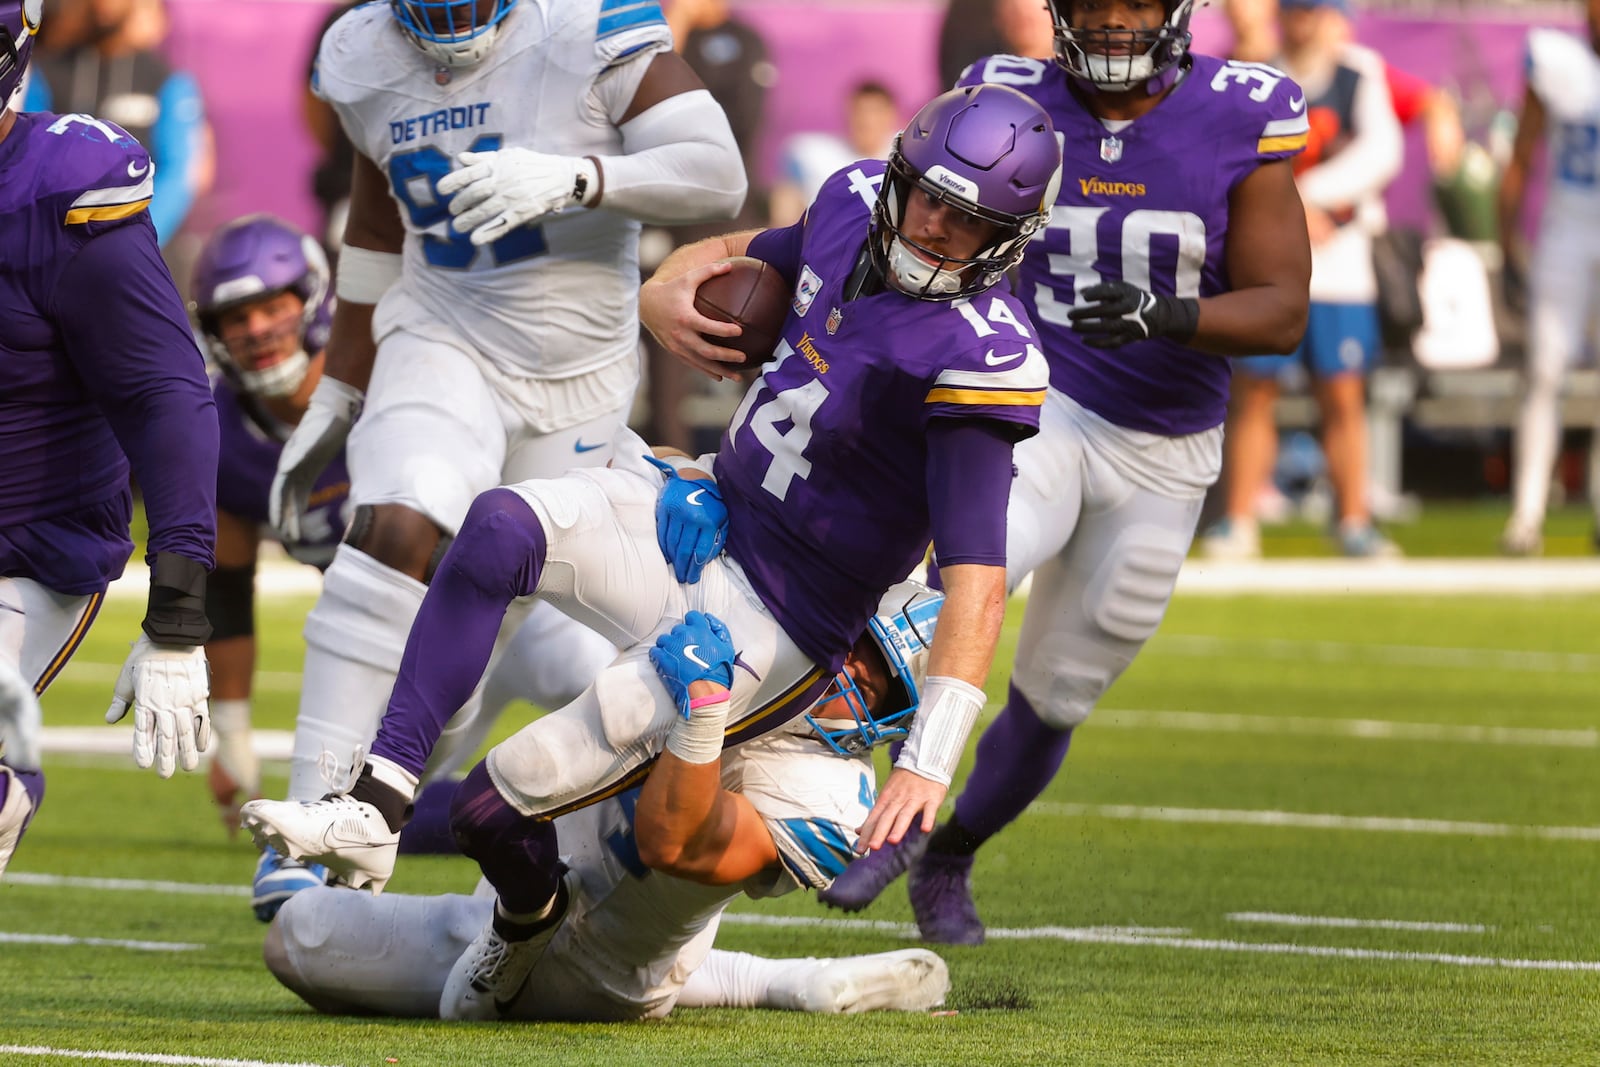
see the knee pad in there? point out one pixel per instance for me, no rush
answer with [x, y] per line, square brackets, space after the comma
[1129, 593]
[504, 543]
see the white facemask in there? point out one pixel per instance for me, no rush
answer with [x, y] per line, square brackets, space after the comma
[913, 274]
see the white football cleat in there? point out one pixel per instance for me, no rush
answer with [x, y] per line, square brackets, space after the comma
[911, 979]
[343, 834]
[17, 809]
[485, 981]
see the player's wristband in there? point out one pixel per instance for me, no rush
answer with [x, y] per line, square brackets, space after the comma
[176, 612]
[939, 733]
[698, 739]
[363, 275]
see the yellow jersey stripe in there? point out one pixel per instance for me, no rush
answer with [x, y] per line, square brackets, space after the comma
[1291, 143]
[79, 215]
[1032, 398]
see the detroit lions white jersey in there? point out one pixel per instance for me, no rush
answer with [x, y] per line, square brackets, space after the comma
[1564, 72]
[551, 299]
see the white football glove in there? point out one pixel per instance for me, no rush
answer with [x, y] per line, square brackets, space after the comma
[332, 410]
[495, 192]
[167, 686]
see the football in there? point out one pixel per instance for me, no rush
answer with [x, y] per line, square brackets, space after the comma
[754, 295]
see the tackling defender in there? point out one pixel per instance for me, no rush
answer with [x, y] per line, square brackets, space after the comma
[761, 819]
[888, 414]
[99, 375]
[1153, 270]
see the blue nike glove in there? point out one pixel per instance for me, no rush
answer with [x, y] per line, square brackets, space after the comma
[697, 649]
[691, 522]
[1114, 314]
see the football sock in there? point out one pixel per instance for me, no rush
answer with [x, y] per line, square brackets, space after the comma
[354, 636]
[1017, 757]
[1537, 436]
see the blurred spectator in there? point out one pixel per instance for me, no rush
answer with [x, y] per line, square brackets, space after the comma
[1354, 151]
[732, 59]
[974, 28]
[330, 181]
[103, 58]
[1560, 106]
[871, 120]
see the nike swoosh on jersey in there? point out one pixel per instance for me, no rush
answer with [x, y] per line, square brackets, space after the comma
[689, 654]
[1298, 104]
[694, 497]
[990, 358]
[581, 447]
[136, 171]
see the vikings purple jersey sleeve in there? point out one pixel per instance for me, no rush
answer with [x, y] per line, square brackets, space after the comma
[97, 363]
[246, 464]
[825, 463]
[1148, 205]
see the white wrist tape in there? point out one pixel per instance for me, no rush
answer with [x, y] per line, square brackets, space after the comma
[364, 275]
[939, 732]
[698, 739]
[230, 721]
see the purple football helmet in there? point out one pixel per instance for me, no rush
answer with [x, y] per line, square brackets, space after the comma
[986, 149]
[19, 24]
[253, 258]
[1119, 60]
[454, 33]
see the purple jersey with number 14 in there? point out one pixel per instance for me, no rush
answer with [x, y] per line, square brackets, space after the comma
[824, 465]
[1147, 205]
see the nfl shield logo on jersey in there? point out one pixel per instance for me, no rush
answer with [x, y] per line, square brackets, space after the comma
[835, 317]
[1111, 149]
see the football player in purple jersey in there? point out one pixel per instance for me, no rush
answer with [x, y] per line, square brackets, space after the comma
[901, 382]
[1178, 239]
[99, 375]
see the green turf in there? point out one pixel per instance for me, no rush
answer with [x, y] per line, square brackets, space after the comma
[1299, 664]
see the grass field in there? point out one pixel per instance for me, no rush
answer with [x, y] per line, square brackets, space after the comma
[1299, 831]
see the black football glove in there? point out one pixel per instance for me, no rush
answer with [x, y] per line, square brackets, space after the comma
[1116, 313]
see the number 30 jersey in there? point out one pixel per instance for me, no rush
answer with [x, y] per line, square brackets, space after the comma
[1564, 72]
[554, 298]
[1148, 205]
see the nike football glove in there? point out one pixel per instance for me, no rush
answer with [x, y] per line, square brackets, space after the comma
[493, 193]
[1114, 314]
[691, 522]
[167, 686]
[697, 649]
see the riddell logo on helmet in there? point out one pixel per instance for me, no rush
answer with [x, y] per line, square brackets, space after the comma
[962, 187]
[1101, 187]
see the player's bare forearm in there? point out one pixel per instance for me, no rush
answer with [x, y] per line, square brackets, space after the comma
[373, 224]
[1268, 256]
[233, 662]
[1514, 181]
[969, 623]
[351, 350]
[688, 826]
[666, 303]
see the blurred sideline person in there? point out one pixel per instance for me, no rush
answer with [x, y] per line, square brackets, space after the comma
[650, 870]
[871, 120]
[1354, 151]
[1177, 240]
[99, 377]
[106, 61]
[1560, 290]
[887, 417]
[486, 329]
[263, 303]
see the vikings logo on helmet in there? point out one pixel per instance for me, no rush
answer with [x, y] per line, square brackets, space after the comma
[986, 149]
[251, 259]
[902, 630]
[454, 33]
[19, 24]
[1119, 60]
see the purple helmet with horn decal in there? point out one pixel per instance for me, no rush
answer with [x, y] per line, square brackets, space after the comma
[19, 24]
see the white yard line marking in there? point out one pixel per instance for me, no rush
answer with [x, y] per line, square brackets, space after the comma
[93, 673]
[124, 885]
[1100, 935]
[1497, 659]
[1274, 918]
[1358, 729]
[145, 1057]
[1313, 821]
[101, 942]
[114, 741]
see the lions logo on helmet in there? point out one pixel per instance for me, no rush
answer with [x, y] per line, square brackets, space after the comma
[986, 149]
[902, 631]
[454, 33]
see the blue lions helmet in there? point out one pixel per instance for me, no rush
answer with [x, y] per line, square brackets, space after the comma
[454, 33]
[19, 24]
[1119, 60]
[902, 631]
